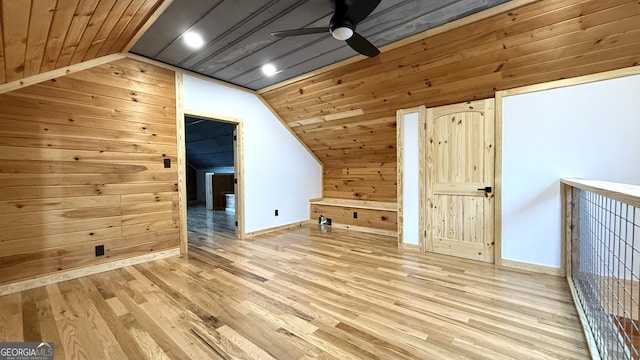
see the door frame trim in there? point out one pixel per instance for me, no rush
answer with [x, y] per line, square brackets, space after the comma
[497, 181]
[238, 167]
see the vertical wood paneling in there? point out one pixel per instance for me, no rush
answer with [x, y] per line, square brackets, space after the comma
[15, 25]
[99, 15]
[37, 36]
[136, 21]
[78, 25]
[106, 27]
[81, 164]
[539, 42]
[41, 17]
[120, 26]
[62, 18]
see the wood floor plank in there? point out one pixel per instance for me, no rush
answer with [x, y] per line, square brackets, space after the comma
[64, 317]
[11, 317]
[145, 322]
[48, 327]
[31, 328]
[300, 293]
[119, 340]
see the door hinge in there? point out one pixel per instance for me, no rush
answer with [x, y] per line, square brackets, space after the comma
[425, 233]
[235, 137]
[236, 224]
[235, 181]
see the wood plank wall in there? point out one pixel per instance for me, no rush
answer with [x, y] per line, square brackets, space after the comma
[366, 218]
[81, 164]
[41, 35]
[346, 116]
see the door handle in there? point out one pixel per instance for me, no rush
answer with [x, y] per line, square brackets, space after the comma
[486, 189]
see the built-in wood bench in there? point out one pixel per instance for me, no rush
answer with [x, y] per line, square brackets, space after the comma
[360, 215]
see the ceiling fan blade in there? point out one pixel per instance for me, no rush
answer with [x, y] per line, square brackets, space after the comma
[362, 45]
[358, 10]
[305, 31]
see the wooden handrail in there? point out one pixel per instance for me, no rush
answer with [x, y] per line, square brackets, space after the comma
[625, 193]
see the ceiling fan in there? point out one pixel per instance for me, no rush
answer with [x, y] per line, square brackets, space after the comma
[347, 14]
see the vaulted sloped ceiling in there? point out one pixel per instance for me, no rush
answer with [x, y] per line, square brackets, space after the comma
[346, 115]
[41, 35]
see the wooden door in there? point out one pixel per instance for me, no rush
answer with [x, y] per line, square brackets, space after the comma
[460, 166]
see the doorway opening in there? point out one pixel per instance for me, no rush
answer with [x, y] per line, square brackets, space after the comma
[213, 167]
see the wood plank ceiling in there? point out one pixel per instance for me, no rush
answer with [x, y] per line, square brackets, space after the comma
[37, 36]
[346, 116]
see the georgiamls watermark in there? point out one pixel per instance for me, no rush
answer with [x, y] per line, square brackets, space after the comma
[26, 351]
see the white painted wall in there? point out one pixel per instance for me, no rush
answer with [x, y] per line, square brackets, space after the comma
[587, 131]
[279, 173]
[411, 178]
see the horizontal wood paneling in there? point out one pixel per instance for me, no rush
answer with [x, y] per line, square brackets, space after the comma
[346, 115]
[375, 182]
[80, 168]
[368, 218]
[37, 36]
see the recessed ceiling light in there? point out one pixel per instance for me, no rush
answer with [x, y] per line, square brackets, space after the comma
[193, 40]
[269, 69]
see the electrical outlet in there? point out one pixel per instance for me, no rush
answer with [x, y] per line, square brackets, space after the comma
[355, 214]
[167, 163]
[276, 212]
[99, 250]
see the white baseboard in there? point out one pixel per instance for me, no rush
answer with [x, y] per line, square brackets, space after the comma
[277, 228]
[532, 267]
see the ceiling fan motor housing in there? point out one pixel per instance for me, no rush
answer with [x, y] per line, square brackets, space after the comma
[341, 27]
[346, 16]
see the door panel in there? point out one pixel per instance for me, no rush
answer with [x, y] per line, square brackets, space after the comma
[460, 162]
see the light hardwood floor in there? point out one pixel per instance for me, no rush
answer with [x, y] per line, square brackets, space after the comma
[300, 294]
